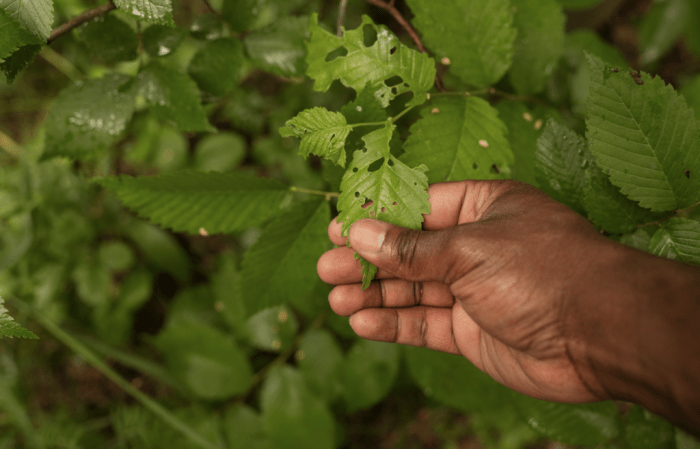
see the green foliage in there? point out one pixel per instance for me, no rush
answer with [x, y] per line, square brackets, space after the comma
[322, 133]
[216, 66]
[35, 16]
[476, 37]
[320, 359]
[661, 27]
[644, 430]
[677, 239]
[161, 40]
[14, 35]
[110, 39]
[280, 48]
[159, 12]
[8, 326]
[368, 372]
[459, 138]
[371, 65]
[644, 136]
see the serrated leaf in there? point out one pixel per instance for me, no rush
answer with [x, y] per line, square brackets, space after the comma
[216, 66]
[280, 49]
[398, 193]
[442, 377]
[645, 135]
[88, 117]
[205, 359]
[14, 35]
[161, 40]
[476, 37]
[639, 239]
[322, 133]
[8, 326]
[294, 417]
[173, 97]
[190, 201]
[19, 60]
[459, 138]
[159, 12]
[561, 160]
[281, 263]
[577, 424]
[644, 430]
[368, 373]
[384, 59]
[110, 39]
[679, 239]
[539, 44]
[660, 28]
[36, 16]
[610, 209]
[272, 329]
[691, 92]
[320, 360]
[368, 272]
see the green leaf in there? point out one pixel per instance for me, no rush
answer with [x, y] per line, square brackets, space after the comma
[686, 441]
[645, 135]
[159, 12]
[221, 152]
[386, 58]
[476, 37]
[110, 39]
[368, 373]
[135, 290]
[539, 44]
[578, 4]
[525, 126]
[281, 264]
[561, 159]
[88, 117]
[161, 40]
[459, 138]
[577, 424]
[639, 239]
[207, 27]
[322, 133]
[115, 255]
[190, 201]
[644, 430]
[92, 283]
[320, 359]
[398, 193]
[206, 360]
[678, 238]
[225, 284]
[173, 97]
[18, 60]
[14, 35]
[239, 14]
[245, 429]
[160, 249]
[691, 92]
[443, 377]
[610, 209]
[660, 28]
[8, 326]
[36, 16]
[272, 329]
[216, 66]
[692, 33]
[280, 49]
[294, 417]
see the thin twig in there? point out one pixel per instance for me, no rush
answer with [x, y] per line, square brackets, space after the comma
[341, 16]
[391, 9]
[80, 19]
[313, 192]
[60, 63]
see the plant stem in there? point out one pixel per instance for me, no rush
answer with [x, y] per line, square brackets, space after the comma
[79, 20]
[60, 63]
[393, 119]
[401, 114]
[391, 9]
[341, 16]
[108, 372]
[328, 195]
[10, 145]
[678, 213]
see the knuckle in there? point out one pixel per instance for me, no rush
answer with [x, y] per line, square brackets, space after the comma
[404, 249]
[423, 329]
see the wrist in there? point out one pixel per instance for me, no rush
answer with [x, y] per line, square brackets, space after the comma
[631, 331]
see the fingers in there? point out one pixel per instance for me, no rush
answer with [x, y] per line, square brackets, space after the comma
[423, 326]
[348, 299]
[339, 266]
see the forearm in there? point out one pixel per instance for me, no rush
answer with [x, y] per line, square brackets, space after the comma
[634, 332]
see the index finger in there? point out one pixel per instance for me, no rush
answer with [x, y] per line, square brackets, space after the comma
[451, 203]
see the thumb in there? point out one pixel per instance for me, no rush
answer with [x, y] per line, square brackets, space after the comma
[409, 254]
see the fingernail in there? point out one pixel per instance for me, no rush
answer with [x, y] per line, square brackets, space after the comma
[367, 236]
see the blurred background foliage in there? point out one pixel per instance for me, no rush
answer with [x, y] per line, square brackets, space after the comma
[162, 309]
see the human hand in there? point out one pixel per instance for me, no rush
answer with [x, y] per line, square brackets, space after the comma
[492, 277]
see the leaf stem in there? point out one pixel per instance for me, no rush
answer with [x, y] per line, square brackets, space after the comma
[393, 119]
[401, 114]
[341, 16]
[328, 195]
[79, 20]
[678, 213]
[60, 63]
[9, 145]
[108, 372]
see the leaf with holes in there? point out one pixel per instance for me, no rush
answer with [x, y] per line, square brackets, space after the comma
[678, 238]
[191, 201]
[159, 12]
[644, 134]
[476, 37]
[322, 133]
[398, 193]
[376, 64]
[459, 138]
